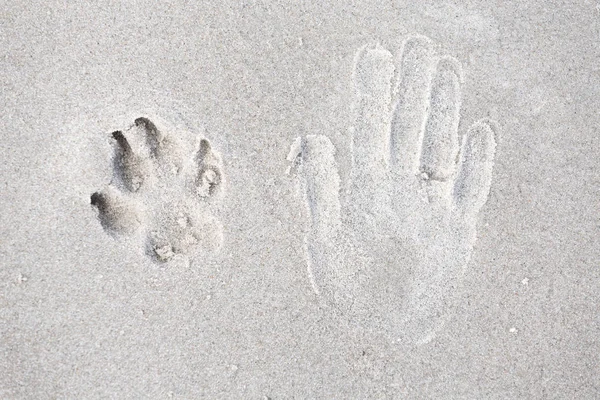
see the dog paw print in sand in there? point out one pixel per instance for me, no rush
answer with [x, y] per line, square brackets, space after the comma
[164, 188]
[389, 247]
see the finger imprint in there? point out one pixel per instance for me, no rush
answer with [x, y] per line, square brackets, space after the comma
[472, 185]
[322, 185]
[411, 107]
[440, 139]
[373, 75]
[321, 188]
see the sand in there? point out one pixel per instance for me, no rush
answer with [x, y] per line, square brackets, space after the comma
[263, 199]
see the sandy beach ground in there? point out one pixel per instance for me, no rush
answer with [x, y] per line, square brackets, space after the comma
[223, 271]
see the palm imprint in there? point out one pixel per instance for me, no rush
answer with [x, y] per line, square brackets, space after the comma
[164, 187]
[389, 248]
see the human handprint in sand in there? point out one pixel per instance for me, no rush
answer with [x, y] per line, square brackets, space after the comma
[389, 248]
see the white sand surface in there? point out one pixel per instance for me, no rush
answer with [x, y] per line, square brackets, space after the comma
[319, 214]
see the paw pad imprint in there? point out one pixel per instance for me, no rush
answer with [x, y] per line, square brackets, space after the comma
[165, 187]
